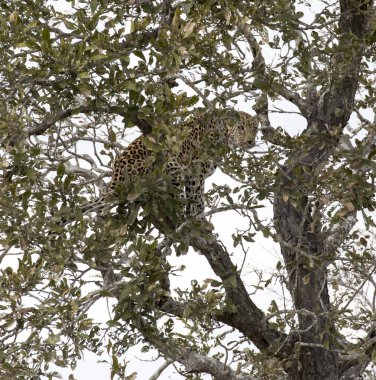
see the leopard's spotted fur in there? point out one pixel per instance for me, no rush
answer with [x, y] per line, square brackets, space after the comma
[208, 139]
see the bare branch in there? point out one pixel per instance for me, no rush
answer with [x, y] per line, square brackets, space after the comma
[270, 134]
[260, 69]
[52, 118]
[194, 362]
[193, 86]
[159, 371]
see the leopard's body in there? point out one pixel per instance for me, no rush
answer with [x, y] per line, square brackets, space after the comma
[207, 139]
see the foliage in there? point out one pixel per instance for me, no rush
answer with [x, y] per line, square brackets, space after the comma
[78, 76]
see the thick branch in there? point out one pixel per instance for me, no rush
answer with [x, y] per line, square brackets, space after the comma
[192, 361]
[292, 208]
[337, 103]
[53, 118]
[243, 314]
[354, 365]
[248, 318]
[178, 309]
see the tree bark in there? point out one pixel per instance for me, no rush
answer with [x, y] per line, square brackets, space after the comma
[304, 250]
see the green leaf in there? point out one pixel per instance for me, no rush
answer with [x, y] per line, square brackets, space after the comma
[111, 135]
[93, 22]
[132, 216]
[32, 174]
[84, 75]
[99, 56]
[230, 283]
[363, 241]
[140, 54]
[297, 170]
[182, 248]
[13, 18]
[229, 200]
[215, 283]
[46, 36]
[132, 26]
[52, 339]
[188, 29]
[93, 5]
[69, 25]
[60, 170]
[115, 364]
[131, 85]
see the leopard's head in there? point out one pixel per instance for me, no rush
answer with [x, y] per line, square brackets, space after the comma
[241, 130]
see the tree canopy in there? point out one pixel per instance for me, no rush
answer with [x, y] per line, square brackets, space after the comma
[78, 76]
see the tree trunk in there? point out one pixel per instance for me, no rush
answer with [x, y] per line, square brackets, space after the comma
[304, 256]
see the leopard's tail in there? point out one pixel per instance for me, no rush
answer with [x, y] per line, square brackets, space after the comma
[96, 205]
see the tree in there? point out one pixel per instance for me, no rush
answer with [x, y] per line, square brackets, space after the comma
[77, 75]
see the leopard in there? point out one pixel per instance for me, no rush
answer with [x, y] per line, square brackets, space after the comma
[208, 137]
